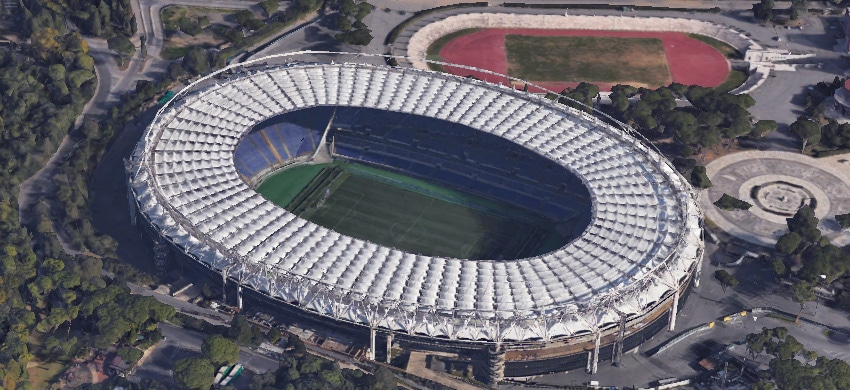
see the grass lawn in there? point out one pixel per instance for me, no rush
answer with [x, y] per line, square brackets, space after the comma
[587, 58]
[44, 375]
[433, 52]
[45, 368]
[283, 186]
[723, 47]
[733, 80]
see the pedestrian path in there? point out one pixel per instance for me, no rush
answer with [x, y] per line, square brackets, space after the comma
[777, 184]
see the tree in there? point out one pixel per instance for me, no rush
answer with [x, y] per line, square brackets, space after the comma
[194, 373]
[789, 348]
[121, 45]
[805, 224]
[342, 23]
[243, 16]
[763, 11]
[84, 61]
[802, 292]
[729, 203]
[788, 243]
[778, 267]
[807, 130]
[45, 47]
[843, 220]
[763, 128]
[798, 7]
[175, 71]
[273, 336]
[698, 177]
[362, 10]
[196, 61]
[384, 379]
[762, 386]
[130, 355]
[219, 350]
[189, 26]
[243, 332]
[360, 37]
[296, 344]
[581, 97]
[726, 279]
[269, 6]
[78, 77]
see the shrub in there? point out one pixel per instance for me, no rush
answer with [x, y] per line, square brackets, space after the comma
[729, 203]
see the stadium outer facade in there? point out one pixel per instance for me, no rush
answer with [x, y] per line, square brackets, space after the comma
[609, 289]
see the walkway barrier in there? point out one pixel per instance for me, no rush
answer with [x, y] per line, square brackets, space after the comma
[769, 310]
[671, 383]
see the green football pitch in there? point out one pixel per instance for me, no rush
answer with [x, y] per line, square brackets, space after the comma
[413, 215]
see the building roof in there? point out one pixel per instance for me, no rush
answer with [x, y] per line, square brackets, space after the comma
[642, 241]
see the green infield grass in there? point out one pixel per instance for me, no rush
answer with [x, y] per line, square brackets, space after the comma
[634, 61]
[410, 214]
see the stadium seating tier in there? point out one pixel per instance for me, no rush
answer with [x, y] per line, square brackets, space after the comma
[644, 233]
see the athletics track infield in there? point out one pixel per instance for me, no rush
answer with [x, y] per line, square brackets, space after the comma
[690, 61]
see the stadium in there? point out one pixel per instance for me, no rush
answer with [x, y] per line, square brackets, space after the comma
[444, 212]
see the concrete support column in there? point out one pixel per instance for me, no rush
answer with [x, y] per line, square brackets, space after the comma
[239, 296]
[698, 271]
[132, 203]
[596, 352]
[496, 366]
[674, 310]
[224, 287]
[372, 344]
[618, 346]
[589, 361]
[389, 346]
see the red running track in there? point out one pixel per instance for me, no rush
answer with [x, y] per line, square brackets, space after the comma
[691, 62]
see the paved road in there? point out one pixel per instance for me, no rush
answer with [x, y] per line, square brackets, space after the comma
[180, 343]
[707, 303]
[182, 306]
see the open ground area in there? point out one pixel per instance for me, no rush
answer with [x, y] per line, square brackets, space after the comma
[410, 214]
[556, 59]
[178, 43]
[591, 59]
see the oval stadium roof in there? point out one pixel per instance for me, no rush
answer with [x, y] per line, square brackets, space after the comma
[642, 241]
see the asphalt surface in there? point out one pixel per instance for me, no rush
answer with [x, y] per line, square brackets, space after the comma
[179, 343]
[708, 303]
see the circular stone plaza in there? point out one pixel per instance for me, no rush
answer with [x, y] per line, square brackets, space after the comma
[629, 225]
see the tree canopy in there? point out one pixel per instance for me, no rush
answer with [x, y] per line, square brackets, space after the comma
[843, 220]
[725, 278]
[729, 203]
[194, 373]
[793, 366]
[220, 350]
[121, 45]
[303, 372]
[807, 130]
